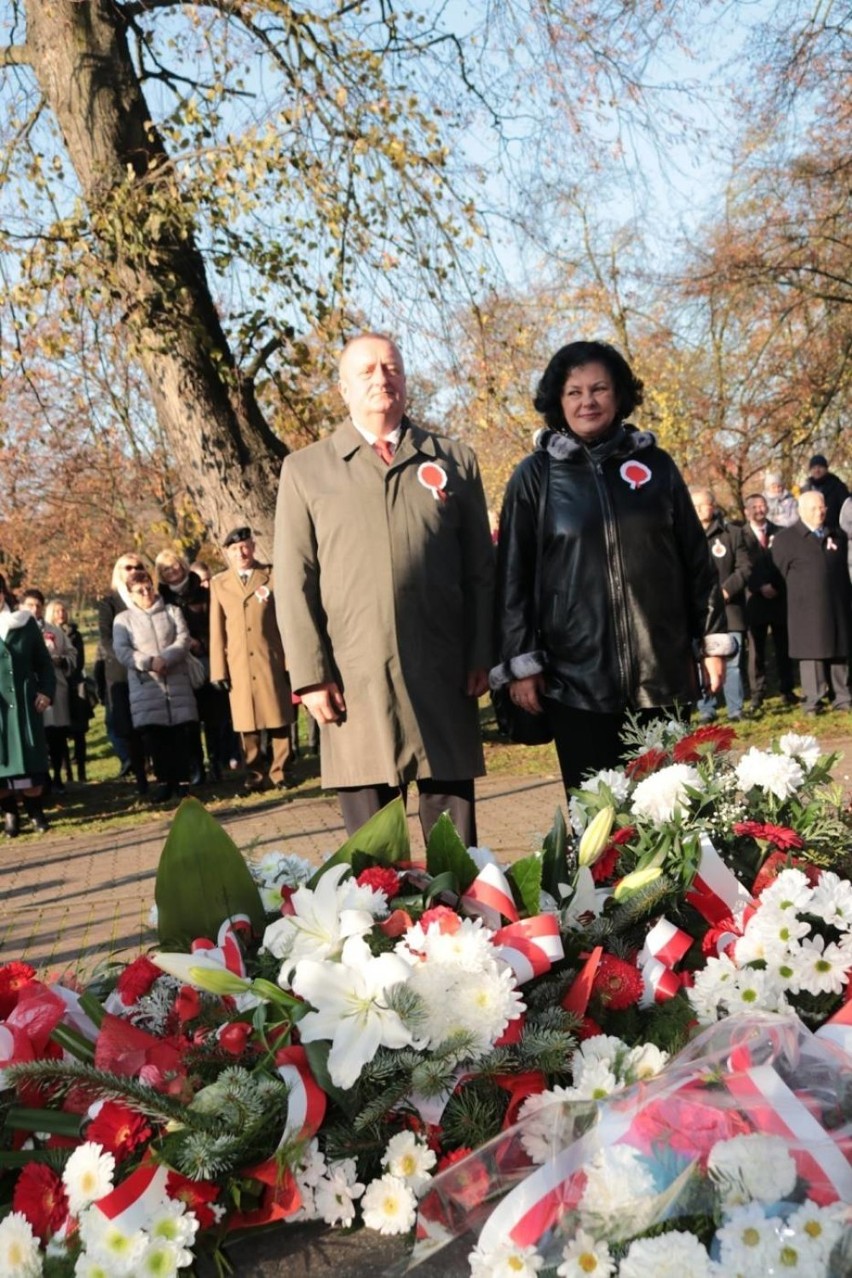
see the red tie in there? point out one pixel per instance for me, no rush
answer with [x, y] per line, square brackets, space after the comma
[762, 537]
[385, 450]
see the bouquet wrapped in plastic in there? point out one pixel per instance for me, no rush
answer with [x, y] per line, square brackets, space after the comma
[736, 1159]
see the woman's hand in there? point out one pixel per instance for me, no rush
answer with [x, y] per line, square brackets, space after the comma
[159, 665]
[41, 702]
[714, 673]
[526, 693]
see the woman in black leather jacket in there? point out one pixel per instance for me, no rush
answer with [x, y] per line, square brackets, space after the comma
[629, 606]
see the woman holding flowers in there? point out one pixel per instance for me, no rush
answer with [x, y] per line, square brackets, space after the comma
[608, 600]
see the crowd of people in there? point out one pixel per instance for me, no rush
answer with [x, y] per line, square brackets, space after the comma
[614, 590]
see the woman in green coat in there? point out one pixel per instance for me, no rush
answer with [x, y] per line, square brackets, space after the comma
[27, 685]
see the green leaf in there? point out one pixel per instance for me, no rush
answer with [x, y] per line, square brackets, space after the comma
[317, 1054]
[384, 838]
[526, 876]
[554, 865]
[202, 879]
[446, 854]
[446, 882]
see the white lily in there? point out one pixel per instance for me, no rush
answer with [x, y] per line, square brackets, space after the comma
[203, 968]
[319, 925]
[350, 1002]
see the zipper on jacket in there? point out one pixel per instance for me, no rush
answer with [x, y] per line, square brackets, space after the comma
[615, 582]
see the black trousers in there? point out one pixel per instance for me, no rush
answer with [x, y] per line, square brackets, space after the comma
[757, 636]
[359, 803]
[587, 741]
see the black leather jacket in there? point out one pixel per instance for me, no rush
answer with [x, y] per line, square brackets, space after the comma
[629, 594]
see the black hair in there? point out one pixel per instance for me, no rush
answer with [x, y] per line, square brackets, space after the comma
[32, 593]
[548, 395]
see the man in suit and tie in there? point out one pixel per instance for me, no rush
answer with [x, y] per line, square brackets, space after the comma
[766, 606]
[247, 657]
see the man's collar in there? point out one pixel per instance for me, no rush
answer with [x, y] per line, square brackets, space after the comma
[347, 439]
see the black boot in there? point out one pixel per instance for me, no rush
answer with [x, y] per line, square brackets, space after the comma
[9, 808]
[36, 814]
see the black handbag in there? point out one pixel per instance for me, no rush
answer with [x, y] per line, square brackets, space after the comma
[515, 723]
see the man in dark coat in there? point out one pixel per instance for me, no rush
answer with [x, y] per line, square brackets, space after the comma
[731, 557]
[812, 560]
[821, 480]
[766, 606]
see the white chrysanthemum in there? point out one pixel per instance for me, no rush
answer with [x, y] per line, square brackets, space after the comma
[468, 948]
[822, 1226]
[769, 934]
[821, 968]
[389, 1206]
[175, 1223]
[600, 1047]
[410, 1159]
[805, 748]
[795, 1257]
[643, 1062]
[663, 795]
[319, 926]
[583, 1255]
[743, 1240]
[118, 1250]
[312, 1166]
[711, 990]
[89, 1267]
[281, 869]
[615, 1179]
[546, 1123]
[506, 1260]
[751, 1168]
[19, 1250]
[618, 782]
[790, 891]
[87, 1176]
[832, 900]
[672, 1255]
[162, 1259]
[777, 774]
[753, 990]
[596, 1081]
[360, 896]
[336, 1193]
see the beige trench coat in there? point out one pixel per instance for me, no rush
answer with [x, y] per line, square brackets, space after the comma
[387, 589]
[245, 647]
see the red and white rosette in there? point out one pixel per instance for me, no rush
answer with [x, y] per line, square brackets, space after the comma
[530, 947]
[716, 892]
[227, 949]
[665, 945]
[433, 476]
[490, 897]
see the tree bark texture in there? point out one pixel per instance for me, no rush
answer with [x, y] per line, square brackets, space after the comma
[224, 449]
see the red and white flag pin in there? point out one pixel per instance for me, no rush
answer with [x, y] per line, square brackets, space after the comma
[433, 477]
[635, 473]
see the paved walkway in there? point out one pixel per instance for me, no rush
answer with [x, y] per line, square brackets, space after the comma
[67, 899]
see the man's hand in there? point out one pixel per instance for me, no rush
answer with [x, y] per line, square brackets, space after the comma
[526, 693]
[768, 591]
[714, 673]
[222, 685]
[476, 683]
[324, 702]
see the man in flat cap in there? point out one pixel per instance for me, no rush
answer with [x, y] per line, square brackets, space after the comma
[821, 480]
[383, 582]
[246, 655]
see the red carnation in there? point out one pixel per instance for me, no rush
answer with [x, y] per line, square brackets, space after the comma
[647, 763]
[617, 984]
[381, 878]
[40, 1196]
[187, 1003]
[780, 836]
[604, 868]
[703, 741]
[778, 861]
[234, 1036]
[448, 921]
[197, 1194]
[136, 980]
[119, 1129]
[588, 1029]
[13, 977]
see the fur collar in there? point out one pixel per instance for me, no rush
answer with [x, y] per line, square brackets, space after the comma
[561, 446]
[13, 620]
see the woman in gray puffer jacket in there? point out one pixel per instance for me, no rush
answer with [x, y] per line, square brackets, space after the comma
[151, 640]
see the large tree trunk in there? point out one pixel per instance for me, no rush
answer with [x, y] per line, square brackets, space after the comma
[222, 445]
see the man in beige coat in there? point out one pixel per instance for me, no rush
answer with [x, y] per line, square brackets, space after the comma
[383, 582]
[246, 656]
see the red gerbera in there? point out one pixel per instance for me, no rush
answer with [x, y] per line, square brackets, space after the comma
[707, 740]
[40, 1196]
[13, 977]
[136, 980]
[197, 1194]
[119, 1129]
[604, 867]
[647, 763]
[381, 878]
[780, 836]
[778, 861]
[617, 983]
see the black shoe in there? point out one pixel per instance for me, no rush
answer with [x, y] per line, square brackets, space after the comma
[288, 783]
[162, 794]
[125, 769]
[11, 825]
[58, 788]
[182, 790]
[790, 699]
[36, 814]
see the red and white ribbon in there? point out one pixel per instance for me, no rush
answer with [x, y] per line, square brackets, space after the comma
[490, 896]
[665, 945]
[773, 1108]
[306, 1101]
[132, 1204]
[227, 950]
[530, 947]
[716, 892]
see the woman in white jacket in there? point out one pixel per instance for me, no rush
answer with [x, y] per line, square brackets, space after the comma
[151, 640]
